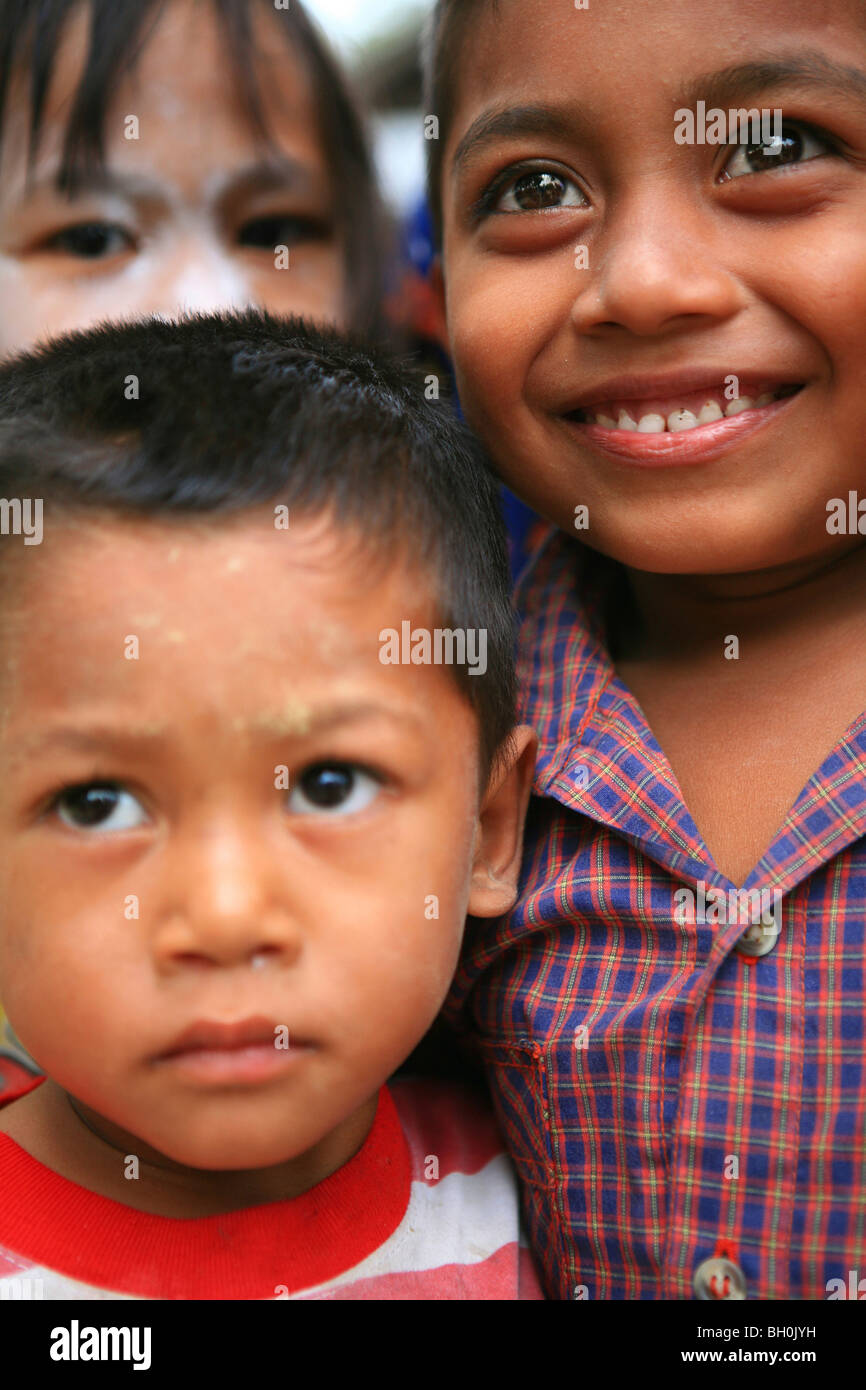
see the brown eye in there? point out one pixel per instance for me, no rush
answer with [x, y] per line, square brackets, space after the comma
[90, 241]
[340, 787]
[268, 232]
[539, 190]
[788, 151]
[328, 786]
[797, 145]
[99, 806]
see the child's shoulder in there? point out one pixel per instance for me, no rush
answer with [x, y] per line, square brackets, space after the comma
[563, 600]
[552, 557]
[446, 1122]
[16, 1080]
[563, 596]
[461, 1236]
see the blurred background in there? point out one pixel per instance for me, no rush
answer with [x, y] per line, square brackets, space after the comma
[378, 41]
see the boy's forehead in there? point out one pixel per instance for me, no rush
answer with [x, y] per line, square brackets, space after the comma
[264, 549]
[258, 582]
[493, 24]
[259, 633]
[632, 53]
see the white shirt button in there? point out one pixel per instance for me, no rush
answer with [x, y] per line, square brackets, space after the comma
[719, 1278]
[758, 939]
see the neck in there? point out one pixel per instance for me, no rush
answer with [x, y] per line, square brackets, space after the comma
[678, 617]
[83, 1146]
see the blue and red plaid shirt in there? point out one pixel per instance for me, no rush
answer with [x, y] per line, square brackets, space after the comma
[665, 1098]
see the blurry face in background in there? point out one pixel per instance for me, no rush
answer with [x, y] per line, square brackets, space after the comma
[189, 215]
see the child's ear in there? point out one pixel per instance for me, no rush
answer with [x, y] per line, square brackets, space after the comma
[499, 837]
[437, 284]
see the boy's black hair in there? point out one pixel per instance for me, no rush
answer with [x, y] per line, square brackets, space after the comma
[444, 46]
[31, 35]
[241, 410]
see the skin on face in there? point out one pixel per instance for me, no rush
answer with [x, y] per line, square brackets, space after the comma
[762, 272]
[191, 211]
[274, 662]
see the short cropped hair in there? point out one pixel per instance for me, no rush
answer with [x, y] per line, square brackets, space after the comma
[235, 411]
[32, 36]
[444, 38]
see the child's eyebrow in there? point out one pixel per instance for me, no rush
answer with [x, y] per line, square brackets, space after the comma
[807, 69]
[294, 719]
[538, 119]
[263, 176]
[88, 739]
[268, 174]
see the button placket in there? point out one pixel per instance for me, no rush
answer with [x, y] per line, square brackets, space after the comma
[757, 940]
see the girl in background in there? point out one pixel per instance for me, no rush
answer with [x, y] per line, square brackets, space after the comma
[167, 155]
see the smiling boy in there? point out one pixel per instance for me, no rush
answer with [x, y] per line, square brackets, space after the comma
[661, 345]
[236, 847]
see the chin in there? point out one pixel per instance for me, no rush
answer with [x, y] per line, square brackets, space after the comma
[232, 1154]
[682, 549]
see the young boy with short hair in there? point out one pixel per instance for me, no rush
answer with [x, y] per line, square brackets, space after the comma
[655, 307]
[237, 844]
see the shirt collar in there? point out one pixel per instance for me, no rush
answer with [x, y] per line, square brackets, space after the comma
[598, 756]
[253, 1253]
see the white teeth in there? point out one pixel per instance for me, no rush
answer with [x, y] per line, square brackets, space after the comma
[710, 412]
[681, 420]
[651, 424]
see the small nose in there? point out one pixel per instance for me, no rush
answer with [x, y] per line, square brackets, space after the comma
[225, 902]
[658, 268]
[204, 279]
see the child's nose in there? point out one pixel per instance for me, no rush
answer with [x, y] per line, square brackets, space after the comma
[656, 267]
[226, 900]
[200, 277]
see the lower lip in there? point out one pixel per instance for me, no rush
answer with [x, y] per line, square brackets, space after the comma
[258, 1062]
[667, 450]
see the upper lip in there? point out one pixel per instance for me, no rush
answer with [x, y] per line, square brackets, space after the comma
[213, 1036]
[644, 387]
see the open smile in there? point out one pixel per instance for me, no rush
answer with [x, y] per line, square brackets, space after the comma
[686, 427]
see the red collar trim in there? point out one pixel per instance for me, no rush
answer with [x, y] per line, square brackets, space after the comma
[257, 1253]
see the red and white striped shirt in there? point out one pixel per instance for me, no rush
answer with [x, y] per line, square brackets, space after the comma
[427, 1209]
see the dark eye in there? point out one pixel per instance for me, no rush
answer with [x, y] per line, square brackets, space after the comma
[99, 806]
[268, 232]
[91, 241]
[333, 787]
[537, 191]
[797, 145]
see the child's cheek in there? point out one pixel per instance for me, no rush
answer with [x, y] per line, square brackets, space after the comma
[400, 965]
[501, 322]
